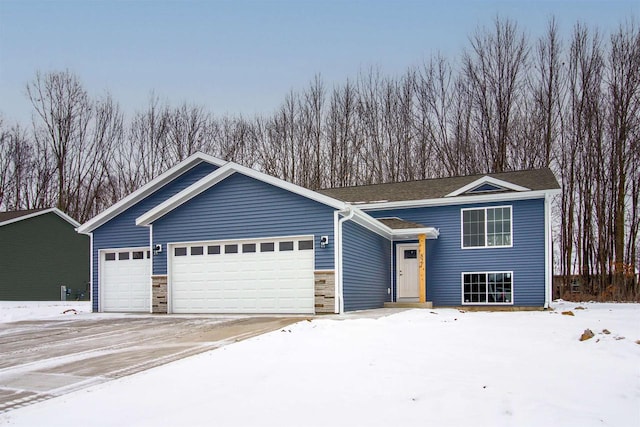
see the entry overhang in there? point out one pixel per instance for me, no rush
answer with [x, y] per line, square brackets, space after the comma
[413, 233]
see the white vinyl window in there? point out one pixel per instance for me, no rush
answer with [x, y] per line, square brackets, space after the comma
[487, 227]
[491, 288]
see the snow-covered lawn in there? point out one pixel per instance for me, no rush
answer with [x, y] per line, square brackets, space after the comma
[438, 367]
[14, 311]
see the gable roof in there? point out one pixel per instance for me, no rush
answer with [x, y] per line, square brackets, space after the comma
[15, 216]
[534, 180]
[221, 174]
[148, 189]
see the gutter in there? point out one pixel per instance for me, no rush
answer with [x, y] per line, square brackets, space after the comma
[349, 213]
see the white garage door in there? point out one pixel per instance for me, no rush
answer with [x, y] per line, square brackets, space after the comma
[252, 276]
[125, 280]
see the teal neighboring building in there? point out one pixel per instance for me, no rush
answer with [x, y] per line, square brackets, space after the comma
[40, 251]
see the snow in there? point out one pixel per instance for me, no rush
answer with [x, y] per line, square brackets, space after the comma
[14, 311]
[438, 367]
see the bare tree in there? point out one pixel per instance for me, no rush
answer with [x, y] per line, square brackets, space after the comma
[495, 68]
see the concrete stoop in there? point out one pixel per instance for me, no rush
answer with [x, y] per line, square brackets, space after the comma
[427, 304]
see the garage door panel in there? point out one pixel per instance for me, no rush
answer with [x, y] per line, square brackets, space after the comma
[254, 282]
[125, 280]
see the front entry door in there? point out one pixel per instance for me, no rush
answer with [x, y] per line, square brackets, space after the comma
[407, 277]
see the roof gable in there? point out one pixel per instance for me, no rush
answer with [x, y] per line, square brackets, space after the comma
[487, 184]
[148, 189]
[221, 174]
[7, 218]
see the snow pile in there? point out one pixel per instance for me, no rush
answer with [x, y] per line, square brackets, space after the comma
[438, 367]
[14, 311]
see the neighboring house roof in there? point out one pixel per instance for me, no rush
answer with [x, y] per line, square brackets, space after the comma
[15, 216]
[148, 189]
[536, 180]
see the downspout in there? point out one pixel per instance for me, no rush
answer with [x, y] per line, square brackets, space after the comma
[339, 284]
[548, 267]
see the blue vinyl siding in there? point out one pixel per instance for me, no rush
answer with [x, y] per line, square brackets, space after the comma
[366, 266]
[446, 260]
[122, 231]
[241, 207]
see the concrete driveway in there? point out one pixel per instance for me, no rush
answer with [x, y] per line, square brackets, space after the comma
[48, 358]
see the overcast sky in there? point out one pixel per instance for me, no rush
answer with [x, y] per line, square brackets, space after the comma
[242, 57]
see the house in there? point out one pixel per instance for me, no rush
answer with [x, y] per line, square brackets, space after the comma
[210, 236]
[40, 251]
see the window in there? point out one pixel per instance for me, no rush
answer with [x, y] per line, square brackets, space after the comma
[304, 245]
[197, 250]
[123, 255]
[285, 246]
[110, 256]
[267, 247]
[487, 288]
[248, 248]
[213, 250]
[486, 227]
[138, 255]
[410, 254]
[180, 251]
[230, 249]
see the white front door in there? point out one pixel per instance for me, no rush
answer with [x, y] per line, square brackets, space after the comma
[407, 277]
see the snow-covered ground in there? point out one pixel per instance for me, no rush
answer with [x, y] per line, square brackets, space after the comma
[438, 367]
[14, 311]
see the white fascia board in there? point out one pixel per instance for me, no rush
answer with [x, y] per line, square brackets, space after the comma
[56, 211]
[148, 189]
[219, 175]
[461, 200]
[429, 232]
[185, 195]
[371, 223]
[487, 180]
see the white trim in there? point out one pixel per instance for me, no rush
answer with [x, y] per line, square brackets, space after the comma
[548, 266]
[404, 246]
[91, 270]
[151, 269]
[350, 212]
[267, 239]
[391, 293]
[223, 172]
[461, 200]
[56, 211]
[148, 189]
[429, 232]
[486, 246]
[337, 247]
[487, 180]
[513, 297]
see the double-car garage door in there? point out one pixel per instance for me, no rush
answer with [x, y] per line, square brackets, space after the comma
[248, 276]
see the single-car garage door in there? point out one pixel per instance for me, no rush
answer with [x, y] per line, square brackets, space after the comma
[250, 276]
[125, 281]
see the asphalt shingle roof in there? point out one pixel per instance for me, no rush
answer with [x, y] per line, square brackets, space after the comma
[535, 179]
[397, 223]
[6, 216]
